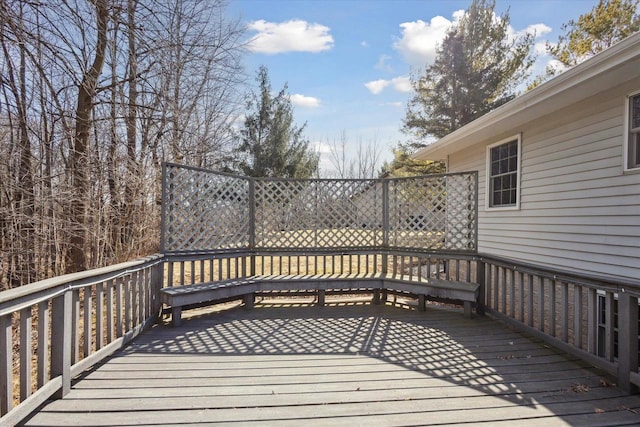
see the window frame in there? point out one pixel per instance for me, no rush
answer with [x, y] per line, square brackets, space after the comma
[488, 176]
[631, 147]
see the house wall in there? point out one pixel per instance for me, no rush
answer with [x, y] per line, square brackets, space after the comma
[578, 210]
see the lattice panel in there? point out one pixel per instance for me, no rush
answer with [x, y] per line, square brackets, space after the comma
[318, 213]
[204, 210]
[462, 212]
[436, 212]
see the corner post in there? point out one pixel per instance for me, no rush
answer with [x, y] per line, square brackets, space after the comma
[628, 340]
[157, 280]
[163, 210]
[385, 225]
[252, 226]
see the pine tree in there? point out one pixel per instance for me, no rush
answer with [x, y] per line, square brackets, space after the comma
[270, 144]
[477, 69]
[607, 23]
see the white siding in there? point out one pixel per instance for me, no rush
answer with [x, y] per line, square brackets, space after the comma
[578, 210]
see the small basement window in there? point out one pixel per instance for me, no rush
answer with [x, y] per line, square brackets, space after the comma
[503, 174]
[633, 135]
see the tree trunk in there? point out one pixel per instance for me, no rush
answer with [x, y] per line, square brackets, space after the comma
[79, 164]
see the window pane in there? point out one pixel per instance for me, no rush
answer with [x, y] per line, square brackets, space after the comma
[503, 174]
[635, 112]
[497, 184]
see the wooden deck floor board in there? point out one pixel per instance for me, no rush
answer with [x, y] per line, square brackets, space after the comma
[346, 365]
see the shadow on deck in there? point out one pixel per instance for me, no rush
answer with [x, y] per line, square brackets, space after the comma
[343, 364]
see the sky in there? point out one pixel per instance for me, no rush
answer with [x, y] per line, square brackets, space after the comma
[348, 64]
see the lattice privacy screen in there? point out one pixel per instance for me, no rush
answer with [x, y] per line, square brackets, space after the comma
[205, 210]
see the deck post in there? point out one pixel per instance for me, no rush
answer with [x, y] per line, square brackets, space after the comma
[321, 297]
[376, 296]
[627, 340]
[61, 340]
[157, 273]
[248, 300]
[422, 303]
[252, 226]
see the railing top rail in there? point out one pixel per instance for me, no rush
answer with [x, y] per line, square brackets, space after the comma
[233, 175]
[27, 295]
[602, 282]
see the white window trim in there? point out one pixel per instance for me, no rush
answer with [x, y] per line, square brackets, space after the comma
[625, 157]
[487, 198]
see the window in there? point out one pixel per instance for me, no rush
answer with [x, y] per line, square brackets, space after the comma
[503, 167]
[633, 134]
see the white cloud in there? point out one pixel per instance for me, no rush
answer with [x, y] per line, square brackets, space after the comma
[420, 39]
[321, 147]
[304, 101]
[290, 36]
[540, 48]
[382, 63]
[401, 84]
[538, 29]
[376, 86]
[364, 43]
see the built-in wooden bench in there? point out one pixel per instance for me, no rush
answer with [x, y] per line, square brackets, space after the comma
[189, 295]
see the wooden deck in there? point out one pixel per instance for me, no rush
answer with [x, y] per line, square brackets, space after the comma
[343, 364]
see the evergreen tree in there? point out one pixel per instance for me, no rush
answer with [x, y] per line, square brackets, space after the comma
[403, 165]
[476, 69]
[271, 145]
[607, 23]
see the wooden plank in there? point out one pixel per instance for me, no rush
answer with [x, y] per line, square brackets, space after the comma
[339, 365]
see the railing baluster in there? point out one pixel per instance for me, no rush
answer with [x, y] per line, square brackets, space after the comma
[577, 315]
[127, 301]
[521, 295]
[170, 274]
[512, 293]
[43, 343]
[552, 307]
[25, 353]
[99, 316]
[503, 290]
[609, 326]
[139, 275]
[564, 308]
[530, 299]
[6, 364]
[87, 322]
[110, 286]
[541, 303]
[75, 326]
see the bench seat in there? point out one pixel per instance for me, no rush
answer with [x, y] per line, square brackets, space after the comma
[178, 297]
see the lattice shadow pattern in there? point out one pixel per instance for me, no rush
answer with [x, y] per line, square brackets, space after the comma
[209, 211]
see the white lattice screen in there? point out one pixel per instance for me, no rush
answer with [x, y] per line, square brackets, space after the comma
[206, 211]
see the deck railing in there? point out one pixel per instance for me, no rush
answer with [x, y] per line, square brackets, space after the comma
[595, 319]
[82, 318]
[52, 330]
